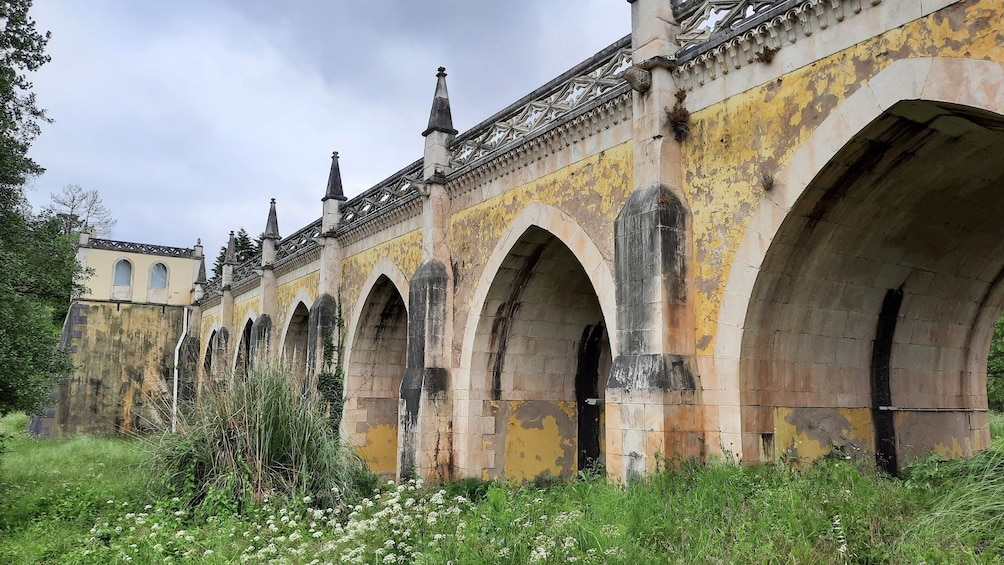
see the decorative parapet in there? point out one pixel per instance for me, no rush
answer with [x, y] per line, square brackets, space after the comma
[374, 202]
[719, 35]
[144, 248]
[298, 243]
[247, 271]
[584, 86]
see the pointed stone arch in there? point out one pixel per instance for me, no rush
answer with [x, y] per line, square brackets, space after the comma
[375, 369]
[215, 357]
[243, 350]
[386, 268]
[294, 344]
[572, 354]
[904, 87]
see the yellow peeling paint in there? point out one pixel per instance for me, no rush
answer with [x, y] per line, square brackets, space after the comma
[121, 378]
[380, 450]
[758, 131]
[533, 451]
[968, 447]
[287, 292]
[591, 192]
[209, 320]
[404, 251]
[799, 445]
[242, 310]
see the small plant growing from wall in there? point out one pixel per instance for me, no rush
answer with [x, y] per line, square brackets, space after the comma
[679, 117]
[331, 380]
[766, 55]
[766, 180]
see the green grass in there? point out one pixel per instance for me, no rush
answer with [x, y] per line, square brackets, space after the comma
[997, 425]
[54, 497]
[53, 491]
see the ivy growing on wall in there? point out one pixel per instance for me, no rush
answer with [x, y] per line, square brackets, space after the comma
[331, 380]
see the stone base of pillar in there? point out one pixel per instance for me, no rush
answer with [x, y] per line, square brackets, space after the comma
[653, 414]
[425, 436]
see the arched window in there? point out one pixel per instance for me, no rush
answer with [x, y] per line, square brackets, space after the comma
[123, 273]
[158, 276]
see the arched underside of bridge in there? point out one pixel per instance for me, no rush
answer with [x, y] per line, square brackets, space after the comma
[242, 357]
[294, 343]
[871, 315]
[373, 383]
[540, 362]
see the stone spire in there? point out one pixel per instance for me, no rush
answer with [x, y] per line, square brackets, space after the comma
[231, 257]
[201, 278]
[440, 119]
[272, 224]
[334, 190]
[270, 238]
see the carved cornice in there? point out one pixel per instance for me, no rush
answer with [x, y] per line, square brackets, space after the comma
[590, 120]
[750, 31]
[406, 206]
[292, 262]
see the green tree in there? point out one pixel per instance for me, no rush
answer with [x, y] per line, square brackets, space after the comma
[22, 50]
[37, 278]
[245, 249]
[995, 368]
[37, 266]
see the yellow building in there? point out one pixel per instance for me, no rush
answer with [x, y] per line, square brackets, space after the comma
[127, 337]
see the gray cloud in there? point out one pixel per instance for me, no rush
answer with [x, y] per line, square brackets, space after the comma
[188, 116]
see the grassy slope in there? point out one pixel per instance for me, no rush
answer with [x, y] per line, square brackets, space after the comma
[53, 492]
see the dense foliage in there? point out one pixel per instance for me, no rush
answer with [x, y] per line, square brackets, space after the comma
[37, 266]
[995, 368]
[22, 51]
[37, 271]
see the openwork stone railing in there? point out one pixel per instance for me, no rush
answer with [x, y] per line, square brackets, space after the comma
[298, 243]
[387, 194]
[719, 35]
[145, 248]
[596, 79]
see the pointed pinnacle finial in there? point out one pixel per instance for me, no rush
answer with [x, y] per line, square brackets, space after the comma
[231, 257]
[440, 118]
[272, 224]
[334, 189]
[201, 279]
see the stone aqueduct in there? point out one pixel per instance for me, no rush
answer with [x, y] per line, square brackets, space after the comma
[764, 237]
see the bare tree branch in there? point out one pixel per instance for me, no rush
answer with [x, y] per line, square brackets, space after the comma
[78, 209]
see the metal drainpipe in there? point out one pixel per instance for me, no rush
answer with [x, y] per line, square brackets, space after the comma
[177, 354]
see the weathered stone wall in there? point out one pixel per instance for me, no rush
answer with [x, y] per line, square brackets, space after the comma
[124, 354]
[775, 249]
[758, 161]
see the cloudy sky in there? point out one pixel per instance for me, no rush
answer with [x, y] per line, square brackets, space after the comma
[187, 116]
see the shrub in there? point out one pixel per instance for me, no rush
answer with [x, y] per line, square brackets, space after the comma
[258, 436]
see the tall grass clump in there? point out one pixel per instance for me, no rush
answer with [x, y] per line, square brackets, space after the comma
[259, 436]
[967, 516]
[997, 425]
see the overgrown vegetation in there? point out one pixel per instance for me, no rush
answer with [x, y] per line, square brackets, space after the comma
[81, 501]
[995, 368]
[331, 378]
[258, 437]
[37, 266]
